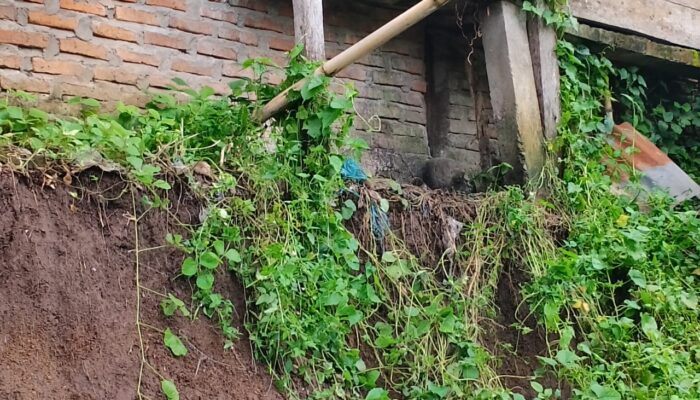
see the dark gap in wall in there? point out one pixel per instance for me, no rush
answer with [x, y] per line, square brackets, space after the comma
[437, 98]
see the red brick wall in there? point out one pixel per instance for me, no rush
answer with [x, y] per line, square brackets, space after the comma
[119, 50]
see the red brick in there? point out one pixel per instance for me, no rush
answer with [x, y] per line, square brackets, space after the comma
[251, 4]
[174, 4]
[192, 25]
[194, 66]
[264, 22]
[106, 30]
[119, 75]
[353, 72]
[249, 38]
[137, 58]
[84, 6]
[419, 86]
[58, 67]
[230, 34]
[244, 36]
[55, 21]
[77, 46]
[216, 48]
[412, 99]
[12, 61]
[18, 81]
[8, 12]
[281, 44]
[24, 39]
[236, 71]
[138, 16]
[411, 65]
[173, 41]
[220, 15]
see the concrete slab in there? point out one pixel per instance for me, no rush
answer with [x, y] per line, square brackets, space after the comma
[516, 109]
[543, 47]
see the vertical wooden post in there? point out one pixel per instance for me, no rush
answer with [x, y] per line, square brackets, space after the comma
[308, 28]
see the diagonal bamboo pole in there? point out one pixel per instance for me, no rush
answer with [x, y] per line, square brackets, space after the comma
[360, 49]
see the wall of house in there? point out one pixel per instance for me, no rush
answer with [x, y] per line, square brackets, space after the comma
[120, 50]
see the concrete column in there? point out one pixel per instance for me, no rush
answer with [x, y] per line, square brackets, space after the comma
[516, 109]
[543, 48]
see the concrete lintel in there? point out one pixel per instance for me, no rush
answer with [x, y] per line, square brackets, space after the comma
[671, 21]
[543, 47]
[511, 78]
[642, 51]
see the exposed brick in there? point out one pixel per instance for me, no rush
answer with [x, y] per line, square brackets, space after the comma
[134, 15]
[231, 34]
[106, 30]
[219, 14]
[353, 72]
[263, 22]
[410, 65]
[12, 61]
[234, 70]
[55, 21]
[388, 78]
[174, 4]
[249, 38]
[24, 39]
[85, 6]
[8, 12]
[118, 75]
[137, 58]
[19, 81]
[58, 67]
[200, 66]
[256, 5]
[411, 99]
[171, 40]
[281, 44]
[77, 46]
[216, 48]
[192, 25]
[420, 86]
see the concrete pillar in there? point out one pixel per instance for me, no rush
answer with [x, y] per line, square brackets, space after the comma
[543, 48]
[516, 109]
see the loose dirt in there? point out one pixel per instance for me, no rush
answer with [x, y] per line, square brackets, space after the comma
[68, 299]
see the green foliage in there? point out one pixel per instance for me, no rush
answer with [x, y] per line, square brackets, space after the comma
[668, 113]
[621, 292]
[173, 342]
[169, 390]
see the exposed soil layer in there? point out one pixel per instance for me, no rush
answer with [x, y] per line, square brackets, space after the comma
[518, 353]
[68, 299]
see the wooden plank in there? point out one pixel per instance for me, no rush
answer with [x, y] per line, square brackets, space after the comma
[308, 28]
[672, 21]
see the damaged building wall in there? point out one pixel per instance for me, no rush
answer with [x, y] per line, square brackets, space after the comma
[120, 50]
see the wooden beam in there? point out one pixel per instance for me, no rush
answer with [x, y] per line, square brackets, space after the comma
[672, 21]
[308, 28]
[360, 49]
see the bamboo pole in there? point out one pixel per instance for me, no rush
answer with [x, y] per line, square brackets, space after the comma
[360, 49]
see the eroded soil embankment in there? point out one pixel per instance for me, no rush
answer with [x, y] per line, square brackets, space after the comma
[68, 300]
